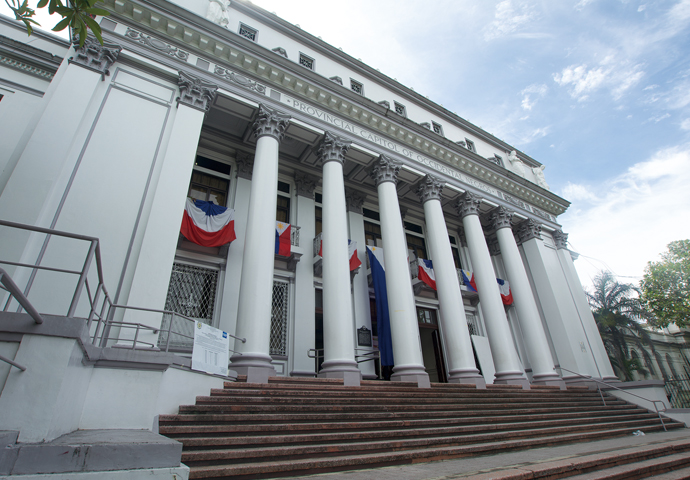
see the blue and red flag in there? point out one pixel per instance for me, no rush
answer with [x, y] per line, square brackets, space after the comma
[426, 273]
[383, 322]
[283, 247]
[208, 224]
[506, 294]
[352, 252]
[468, 280]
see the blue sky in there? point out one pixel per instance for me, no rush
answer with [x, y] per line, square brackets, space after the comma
[596, 90]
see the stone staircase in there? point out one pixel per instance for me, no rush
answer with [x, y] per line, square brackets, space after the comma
[298, 426]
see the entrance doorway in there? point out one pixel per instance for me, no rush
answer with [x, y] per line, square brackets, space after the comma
[432, 351]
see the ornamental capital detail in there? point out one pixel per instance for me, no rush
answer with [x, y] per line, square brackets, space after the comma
[245, 165]
[468, 204]
[430, 188]
[560, 239]
[305, 184]
[195, 92]
[332, 148]
[270, 122]
[528, 230]
[354, 199]
[501, 218]
[94, 56]
[385, 169]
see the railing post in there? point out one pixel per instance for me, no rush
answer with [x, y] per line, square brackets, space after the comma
[82, 279]
[167, 341]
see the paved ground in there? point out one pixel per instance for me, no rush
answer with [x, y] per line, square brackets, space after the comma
[466, 467]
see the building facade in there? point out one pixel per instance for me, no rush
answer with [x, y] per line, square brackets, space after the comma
[225, 102]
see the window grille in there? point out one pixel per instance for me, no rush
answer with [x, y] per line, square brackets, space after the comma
[192, 292]
[279, 319]
[437, 128]
[306, 61]
[473, 325]
[356, 87]
[399, 109]
[470, 145]
[248, 32]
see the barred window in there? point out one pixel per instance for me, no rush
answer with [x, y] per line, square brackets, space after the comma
[306, 61]
[400, 109]
[356, 87]
[279, 319]
[470, 145]
[437, 128]
[248, 32]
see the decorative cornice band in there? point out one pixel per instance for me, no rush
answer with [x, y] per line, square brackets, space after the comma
[332, 148]
[430, 188]
[245, 165]
[270, 123]
[560, 239]
[305, 184]
[501, 218]
[468, 204]
[195, 93]
[94, 56]
[156, 44]
[528, 230]
[25, 67]
[385, 169]
[354, 200]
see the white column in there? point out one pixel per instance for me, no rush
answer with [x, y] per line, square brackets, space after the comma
[456, 335]
[256, 290]
[149, 286]
[407, 353]
[360, 286]
[538, 350]
[506, 360]
[304, 329]
[338, 322]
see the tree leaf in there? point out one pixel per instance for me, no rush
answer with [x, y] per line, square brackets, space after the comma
[62, 24]
[94, 27]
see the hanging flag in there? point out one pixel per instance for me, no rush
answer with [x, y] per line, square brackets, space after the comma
[378, 275]
[468, 280]
[283, 246]
[426, 273]
[506, 294]
[352, 251]
[208, 224]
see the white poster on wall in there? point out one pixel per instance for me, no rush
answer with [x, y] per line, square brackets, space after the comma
[211, 351]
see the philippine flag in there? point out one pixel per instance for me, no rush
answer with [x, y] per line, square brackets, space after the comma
[506, 294]
[283, 239]
[378, 276]
[354, 259]
[468, 280]
[208, 224]
[426, 273]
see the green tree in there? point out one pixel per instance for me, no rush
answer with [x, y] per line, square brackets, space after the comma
[618, 312]
[666, 286]
[76, 14]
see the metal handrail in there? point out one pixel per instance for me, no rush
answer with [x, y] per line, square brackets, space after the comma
[653, 402]
[14, 290]
[13, 363]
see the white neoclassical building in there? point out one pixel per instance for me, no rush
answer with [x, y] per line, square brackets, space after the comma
[224, 102]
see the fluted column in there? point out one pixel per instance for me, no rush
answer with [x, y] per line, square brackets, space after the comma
[338, 323]
[506, 360]
[409, 364]
[533, 334]
[256, 289]
[456, 335]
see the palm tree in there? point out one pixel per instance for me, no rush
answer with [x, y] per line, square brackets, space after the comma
[618, 311]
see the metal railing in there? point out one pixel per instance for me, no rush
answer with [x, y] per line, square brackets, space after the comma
[362, 355]
[7, 284]
[678, 391]
[653, 402]
[294, 235]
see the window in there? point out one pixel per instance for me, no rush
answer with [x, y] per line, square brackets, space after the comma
[400, 109]
[426, 316]
[470, 145]
[248, 32]
[372, 234]
[437, 128]
[279, 319]
[283, 207]
[455, 251]
[318, 213]
[306, 61]
[210, 181]
[356, 87]
[416, 245]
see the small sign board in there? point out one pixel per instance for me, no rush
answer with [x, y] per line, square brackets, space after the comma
[364, 337]
[211, 350]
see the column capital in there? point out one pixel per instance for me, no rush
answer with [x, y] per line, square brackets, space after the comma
[494, 246]
[528, 230]
[501, 217]
[354, 199]
[195, 93]
[468, 204]
[386, 169]
[332, 148]
[560, 239]
[245, 165]
[94, 56]
[305, 184]
[270, 122]
[430, 188]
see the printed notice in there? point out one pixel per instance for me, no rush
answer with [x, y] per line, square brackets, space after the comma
[210, 353]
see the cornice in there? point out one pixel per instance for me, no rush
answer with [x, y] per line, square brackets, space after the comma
[229, 50]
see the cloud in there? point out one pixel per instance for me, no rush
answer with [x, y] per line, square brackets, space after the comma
[528, 94]
[509, 17]
[615, 76]
[642, 8]
[685, 124]
[624, 222]
[582, 4]
[659, 118]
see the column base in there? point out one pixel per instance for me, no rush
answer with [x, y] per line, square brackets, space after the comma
[411, 373]
[345, 369]
[550, 379]
[512, 378]
[468, 377]
[256, 367]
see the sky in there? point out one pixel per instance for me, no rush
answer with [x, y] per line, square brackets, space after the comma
[596, 90]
